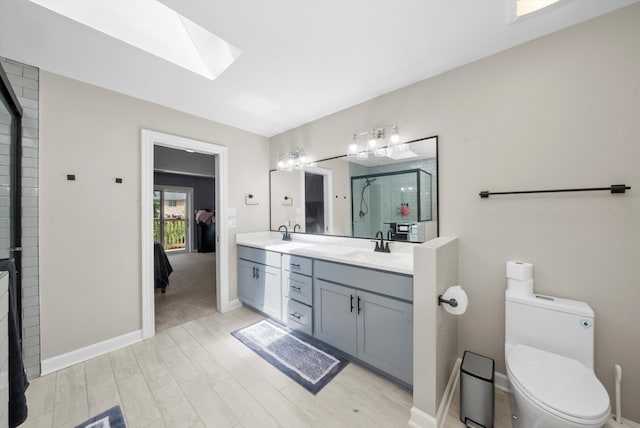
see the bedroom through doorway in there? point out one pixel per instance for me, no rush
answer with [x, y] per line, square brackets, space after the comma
[184, 236]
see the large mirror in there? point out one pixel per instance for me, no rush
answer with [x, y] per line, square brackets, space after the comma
[393, 190]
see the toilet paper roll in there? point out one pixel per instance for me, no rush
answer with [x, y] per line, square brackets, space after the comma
[456, 292]
[519, 270]
[520, 287]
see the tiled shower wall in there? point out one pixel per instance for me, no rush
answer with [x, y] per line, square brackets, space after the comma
[383, 210]
[25, 83]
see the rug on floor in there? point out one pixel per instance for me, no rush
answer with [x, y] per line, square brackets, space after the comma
[311, 366]
[111, 418]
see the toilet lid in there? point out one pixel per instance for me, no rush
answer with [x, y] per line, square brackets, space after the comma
[558, 383]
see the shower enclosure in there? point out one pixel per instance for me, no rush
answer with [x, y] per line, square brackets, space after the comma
[394, 202]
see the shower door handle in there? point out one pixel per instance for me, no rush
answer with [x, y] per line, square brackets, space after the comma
[15, 249]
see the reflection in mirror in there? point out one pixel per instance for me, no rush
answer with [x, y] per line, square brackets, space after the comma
[358, 196]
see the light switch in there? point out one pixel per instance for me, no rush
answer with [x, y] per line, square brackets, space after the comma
[232, 222]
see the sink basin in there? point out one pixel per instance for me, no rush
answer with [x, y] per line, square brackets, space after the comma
[372, 256]
[286, 245]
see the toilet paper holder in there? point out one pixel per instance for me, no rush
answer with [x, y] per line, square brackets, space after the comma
[452, 302]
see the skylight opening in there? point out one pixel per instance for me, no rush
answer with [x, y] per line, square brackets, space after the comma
[518, 10]
[525, 7]
[155, 28]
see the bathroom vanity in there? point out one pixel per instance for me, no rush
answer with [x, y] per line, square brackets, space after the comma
[338, 291]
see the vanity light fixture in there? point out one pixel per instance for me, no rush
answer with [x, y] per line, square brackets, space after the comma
[375, 142]
[292, 160]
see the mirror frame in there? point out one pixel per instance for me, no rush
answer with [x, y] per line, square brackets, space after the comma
[437, 177]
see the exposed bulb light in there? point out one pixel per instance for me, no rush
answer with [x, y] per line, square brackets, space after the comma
[395, 137]
[292, 160]
[375, 142]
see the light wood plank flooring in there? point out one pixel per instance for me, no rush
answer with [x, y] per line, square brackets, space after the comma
[198, 375]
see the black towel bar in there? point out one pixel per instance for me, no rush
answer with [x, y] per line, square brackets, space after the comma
[614, 188]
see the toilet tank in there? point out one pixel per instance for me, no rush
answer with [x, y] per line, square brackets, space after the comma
[553, 324]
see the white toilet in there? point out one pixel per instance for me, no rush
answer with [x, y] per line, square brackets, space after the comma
[549, 359]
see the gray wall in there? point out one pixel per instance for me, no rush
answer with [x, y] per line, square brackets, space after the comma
[90, 235]
[25, 83]
[179, 161]
[560, 111]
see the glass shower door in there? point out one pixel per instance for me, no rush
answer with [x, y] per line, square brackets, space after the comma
[10, 182]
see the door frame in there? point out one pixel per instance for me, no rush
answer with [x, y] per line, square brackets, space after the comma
[328, 201]
[149, 139]
[189, 214]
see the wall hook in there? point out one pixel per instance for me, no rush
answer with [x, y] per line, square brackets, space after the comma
[248, 198]
[288, 201]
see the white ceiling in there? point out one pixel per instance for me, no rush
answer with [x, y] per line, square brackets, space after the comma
[301, 59]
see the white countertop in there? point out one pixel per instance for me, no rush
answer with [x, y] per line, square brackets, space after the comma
[353, 251]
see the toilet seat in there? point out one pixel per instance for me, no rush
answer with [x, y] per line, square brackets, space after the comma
[561, 386]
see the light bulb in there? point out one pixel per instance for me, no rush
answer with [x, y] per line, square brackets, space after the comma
[290, 161]
[372, 142]
[280, 164]
[394, 137]
[303, 159]
[353, 147]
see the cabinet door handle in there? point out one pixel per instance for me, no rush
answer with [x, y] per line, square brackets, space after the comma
[296, 315]
[297, 266]
[257, 273]
[253, 272]
[359, 308]
[351, 303]
[295, 288]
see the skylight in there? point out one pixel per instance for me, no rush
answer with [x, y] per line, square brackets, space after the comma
[524, 7]
[155, 28]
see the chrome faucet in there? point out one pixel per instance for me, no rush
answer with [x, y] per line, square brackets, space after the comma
[381, 247]
[285, 235]
[298, 226]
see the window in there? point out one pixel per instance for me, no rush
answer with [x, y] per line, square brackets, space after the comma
[172, 203]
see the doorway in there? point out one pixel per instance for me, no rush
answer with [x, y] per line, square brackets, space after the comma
[149, 140]
[172, 219]
[318, 204]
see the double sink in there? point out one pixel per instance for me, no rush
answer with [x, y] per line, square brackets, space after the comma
[398, 261]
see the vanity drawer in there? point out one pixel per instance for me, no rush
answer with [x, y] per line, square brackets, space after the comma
[300, 288]
[300, 317]
[269, 258]
[297, 264]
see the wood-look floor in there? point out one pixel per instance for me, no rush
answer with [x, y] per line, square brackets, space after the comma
[198, 375]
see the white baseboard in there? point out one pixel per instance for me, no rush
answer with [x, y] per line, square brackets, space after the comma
[502, 382]
[69, 359]
[233, 304]
[447, 397]
[420, 419]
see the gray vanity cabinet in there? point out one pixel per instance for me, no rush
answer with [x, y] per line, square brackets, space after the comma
[335, 315]
[367, 314]
[297, 289]
[259, 280]
[385, 334]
